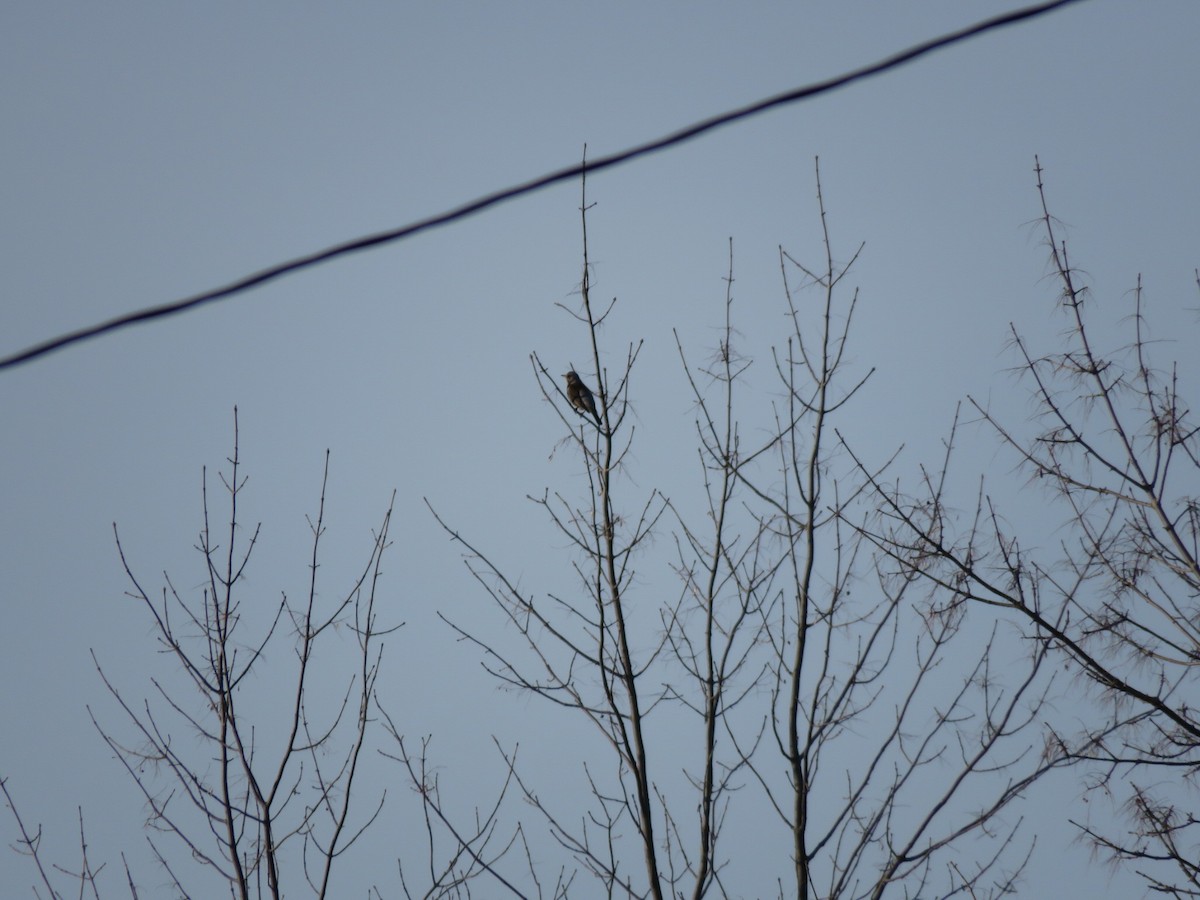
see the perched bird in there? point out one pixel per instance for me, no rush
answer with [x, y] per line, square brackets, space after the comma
[580, 397]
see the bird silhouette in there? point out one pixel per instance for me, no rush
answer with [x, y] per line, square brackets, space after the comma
[580, 397]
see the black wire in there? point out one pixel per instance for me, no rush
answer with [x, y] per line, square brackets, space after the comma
[566, 174]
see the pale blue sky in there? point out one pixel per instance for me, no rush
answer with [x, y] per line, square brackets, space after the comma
[155, 150]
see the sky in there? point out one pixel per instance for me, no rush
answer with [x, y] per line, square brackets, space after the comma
[152, 151]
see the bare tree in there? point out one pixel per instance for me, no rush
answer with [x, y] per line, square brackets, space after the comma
[257, 799]
[1114, 449]
[763, 669]
[596, 635]
[257, 793]
[854, 657]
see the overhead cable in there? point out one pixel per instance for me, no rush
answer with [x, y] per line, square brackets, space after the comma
[565, 174]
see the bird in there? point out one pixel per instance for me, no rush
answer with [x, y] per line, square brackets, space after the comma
[579, 396]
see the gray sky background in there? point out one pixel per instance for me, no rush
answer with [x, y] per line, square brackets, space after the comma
[155, 150]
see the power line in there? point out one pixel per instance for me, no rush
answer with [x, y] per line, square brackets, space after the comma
[566, 174]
